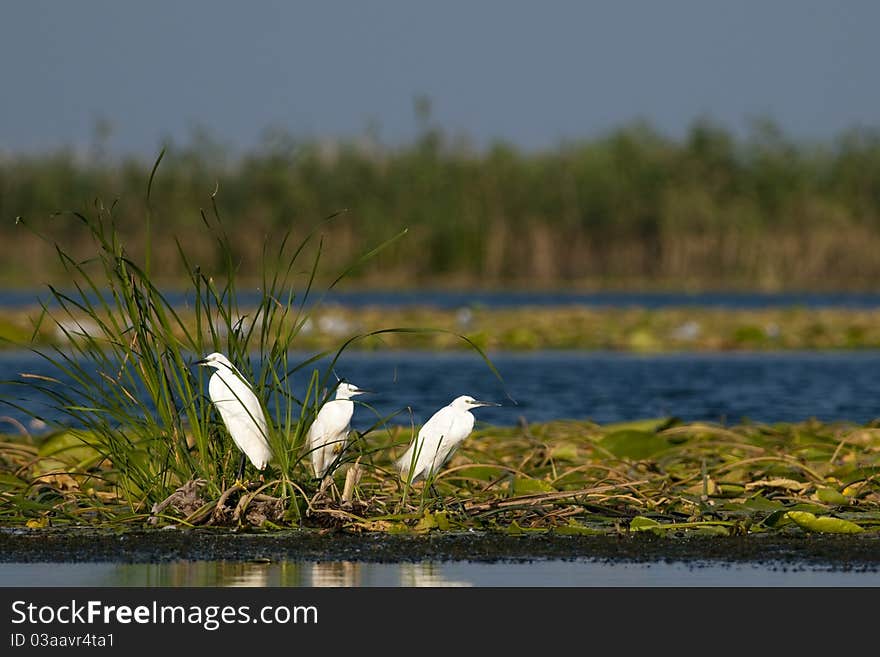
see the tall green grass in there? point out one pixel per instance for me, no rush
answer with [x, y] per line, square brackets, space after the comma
[125, 382]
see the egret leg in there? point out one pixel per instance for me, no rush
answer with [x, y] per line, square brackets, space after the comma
[438, 498]
[241, 465]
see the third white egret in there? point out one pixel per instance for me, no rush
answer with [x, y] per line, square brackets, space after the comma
[239, 409]
[329, 431]
[438, 438]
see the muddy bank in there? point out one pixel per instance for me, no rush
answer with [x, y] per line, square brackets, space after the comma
[18, 545]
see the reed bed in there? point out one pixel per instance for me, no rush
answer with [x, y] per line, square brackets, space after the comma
[631, 208]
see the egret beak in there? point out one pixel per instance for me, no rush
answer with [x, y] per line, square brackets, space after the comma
[203, 361]
[484, 403]
[363, 391]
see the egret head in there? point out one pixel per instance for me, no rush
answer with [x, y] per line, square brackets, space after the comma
[348, 390]
[466, 402]
[215, 360]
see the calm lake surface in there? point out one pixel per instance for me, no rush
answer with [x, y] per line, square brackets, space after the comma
[579, 573]
[606, 387]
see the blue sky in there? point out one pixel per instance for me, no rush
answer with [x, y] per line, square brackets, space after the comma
[533, 73]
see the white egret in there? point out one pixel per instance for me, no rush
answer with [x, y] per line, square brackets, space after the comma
[328, 434]
[438, 438]
[240, 411]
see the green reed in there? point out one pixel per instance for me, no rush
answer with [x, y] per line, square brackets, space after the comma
[125, 384]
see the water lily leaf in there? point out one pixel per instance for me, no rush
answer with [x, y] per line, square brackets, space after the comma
[830, 496]
[761, 503]
[863, 517]
[814, 453]
[529, 486]
[576, 529]
[652, 424]
[634, 444]
[641, 523]
[850, 491]
[564, 452]
[824, 524]
[429, 521]
[850, 476]
[70, 447]
[515, 530]
[481, 472]
[752, 505]
[48, 465]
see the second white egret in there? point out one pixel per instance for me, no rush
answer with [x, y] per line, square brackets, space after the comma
[239, 409]
[438, 438]
[328, 434]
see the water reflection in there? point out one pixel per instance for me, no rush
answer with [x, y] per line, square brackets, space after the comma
[426, 574]
[580, 573]
[335, 573]
[186, 573]
[252, 574]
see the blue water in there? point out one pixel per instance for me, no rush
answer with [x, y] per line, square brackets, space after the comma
[504, 299]
[605, 387]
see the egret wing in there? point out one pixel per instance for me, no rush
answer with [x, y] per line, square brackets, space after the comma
[242, 414]
[328, 433]
[432, 444]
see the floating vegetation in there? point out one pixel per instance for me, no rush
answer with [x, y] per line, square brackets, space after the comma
[531, 328]
[566, 477]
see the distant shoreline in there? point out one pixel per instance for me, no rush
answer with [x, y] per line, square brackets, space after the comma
[529, 328]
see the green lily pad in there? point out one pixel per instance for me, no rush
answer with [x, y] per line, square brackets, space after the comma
[815, 453]
[438, 520]
[641, 523]
[576, 529]
[515, 530]
[650, 424]
[481, 472]
[858, 474]
[831, 496]
[634, 444]
[529, 486]
[564, 452]
[70, 447]
[824, 524]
